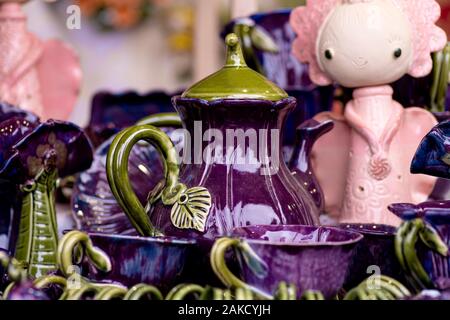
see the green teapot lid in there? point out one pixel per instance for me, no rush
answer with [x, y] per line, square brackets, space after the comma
[235, 80]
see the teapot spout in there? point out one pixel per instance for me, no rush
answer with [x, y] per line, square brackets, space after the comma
[300, 164]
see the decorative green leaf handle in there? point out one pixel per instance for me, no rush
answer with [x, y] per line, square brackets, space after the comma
[117, 171]
[405, 248]
[252, 260]
[72, 242]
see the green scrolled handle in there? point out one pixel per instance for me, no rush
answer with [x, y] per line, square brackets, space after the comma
[70, 243]
[406, 239]
[111, 292]
[139, 291]
[182, 291]
[220, 268]
[388, 289]
[117, 172]
[14, 268]
[46, 281]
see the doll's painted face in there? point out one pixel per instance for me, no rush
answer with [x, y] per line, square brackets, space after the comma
[365, 44]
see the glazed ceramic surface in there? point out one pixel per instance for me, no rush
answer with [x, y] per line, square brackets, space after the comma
[282, 68]
[33, 156]
[362, 165]
[300, 164]
[431, 157]
[163, 262]
[19, 123]
[433, 154]
[94, 206]
[268, 199]
[207, 196]
[112, 112]
[309, 257]
[96, 210]
[375, 252]
[40, 76]
[438, 215]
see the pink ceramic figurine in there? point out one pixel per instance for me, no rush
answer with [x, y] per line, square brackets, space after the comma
[363, 164]
[40, 76]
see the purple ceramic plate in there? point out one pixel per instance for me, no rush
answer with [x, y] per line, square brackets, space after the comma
[312, 258]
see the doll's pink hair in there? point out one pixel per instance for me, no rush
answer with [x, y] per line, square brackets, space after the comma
[423, 14]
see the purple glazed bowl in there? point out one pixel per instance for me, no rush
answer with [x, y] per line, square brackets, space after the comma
[163, 262]
[375, 250]
[312, 258]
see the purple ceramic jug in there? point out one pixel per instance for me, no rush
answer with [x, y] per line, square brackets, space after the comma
[231, 173]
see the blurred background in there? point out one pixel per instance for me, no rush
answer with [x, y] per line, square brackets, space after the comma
[146, 45]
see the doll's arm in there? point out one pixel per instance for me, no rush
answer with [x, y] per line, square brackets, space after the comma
[329, 159]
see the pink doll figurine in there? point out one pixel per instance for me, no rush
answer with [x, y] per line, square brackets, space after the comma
[363, 164]
[40, 76]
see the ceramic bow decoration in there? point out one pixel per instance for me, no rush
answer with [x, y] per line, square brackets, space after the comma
[363, 164]
[40, 76]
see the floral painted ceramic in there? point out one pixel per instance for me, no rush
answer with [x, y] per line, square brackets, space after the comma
[32, 157]
[207, 197]
[311, 258]
[43, 77]
[362, 165]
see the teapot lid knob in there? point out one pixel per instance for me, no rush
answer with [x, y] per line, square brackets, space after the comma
[235, 57]
[235, 80]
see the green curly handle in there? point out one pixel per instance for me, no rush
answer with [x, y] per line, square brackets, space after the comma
[182, 291]
[222, 271]
[117, 171]
[389, 289]
[406, 239]
[138, 292]
[70, 243]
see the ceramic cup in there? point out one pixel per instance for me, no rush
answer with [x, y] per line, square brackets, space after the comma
[163, 262]
[375, 253]
[311, 258]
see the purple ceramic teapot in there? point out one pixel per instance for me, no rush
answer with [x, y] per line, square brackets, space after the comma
[231, 173]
